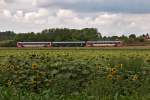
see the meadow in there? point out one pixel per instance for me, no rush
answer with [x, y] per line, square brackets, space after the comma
[75, 74]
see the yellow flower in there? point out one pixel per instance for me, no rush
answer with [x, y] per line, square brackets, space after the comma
[135, 77]
[34, 82]
[9, 82]
[12, 67]
[113, 71]
[109, 77]
[34, 66]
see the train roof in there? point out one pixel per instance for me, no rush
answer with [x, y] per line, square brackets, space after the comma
[104, 41]
[34, 42]
[70, 42]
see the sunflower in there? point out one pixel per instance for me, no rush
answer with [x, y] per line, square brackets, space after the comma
[34, 66]
[113, 71]
[12, 67]
[9, 83]
[109, 77]
[135, 77]
[33, 82]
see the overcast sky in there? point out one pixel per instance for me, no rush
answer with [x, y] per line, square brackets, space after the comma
[110, 17]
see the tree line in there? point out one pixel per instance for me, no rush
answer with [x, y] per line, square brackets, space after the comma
[63, 34]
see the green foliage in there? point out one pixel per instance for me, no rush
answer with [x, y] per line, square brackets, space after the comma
[133, 36]
[55, 35]
[65, 34]
[8, 35]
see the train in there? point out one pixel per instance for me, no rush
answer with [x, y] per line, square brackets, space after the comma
[71, 44]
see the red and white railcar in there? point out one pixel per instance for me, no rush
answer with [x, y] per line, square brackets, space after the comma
[33, 44]
[103, 43]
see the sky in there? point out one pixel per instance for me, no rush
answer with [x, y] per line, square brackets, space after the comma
[110, 17]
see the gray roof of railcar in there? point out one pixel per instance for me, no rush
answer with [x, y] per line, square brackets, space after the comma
[34, 42]
[104, 41]
[69, 42]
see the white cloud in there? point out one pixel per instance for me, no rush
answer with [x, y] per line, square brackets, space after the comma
[27, 15]
[109, 23]
[18, 14]
[7, 13]
[40, 14]
[34, 2]
[63, 13]
[2, 2]
[35, 17]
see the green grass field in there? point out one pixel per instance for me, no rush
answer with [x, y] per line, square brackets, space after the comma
[75, 73]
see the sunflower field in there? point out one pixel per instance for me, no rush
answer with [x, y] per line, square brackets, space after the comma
[75, 74]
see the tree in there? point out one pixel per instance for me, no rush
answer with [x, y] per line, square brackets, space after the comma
[133, 36]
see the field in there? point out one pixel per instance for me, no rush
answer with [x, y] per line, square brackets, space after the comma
[75, 74]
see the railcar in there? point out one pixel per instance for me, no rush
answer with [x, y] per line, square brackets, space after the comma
[103, 43]
[33, 44]
[69, 44]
